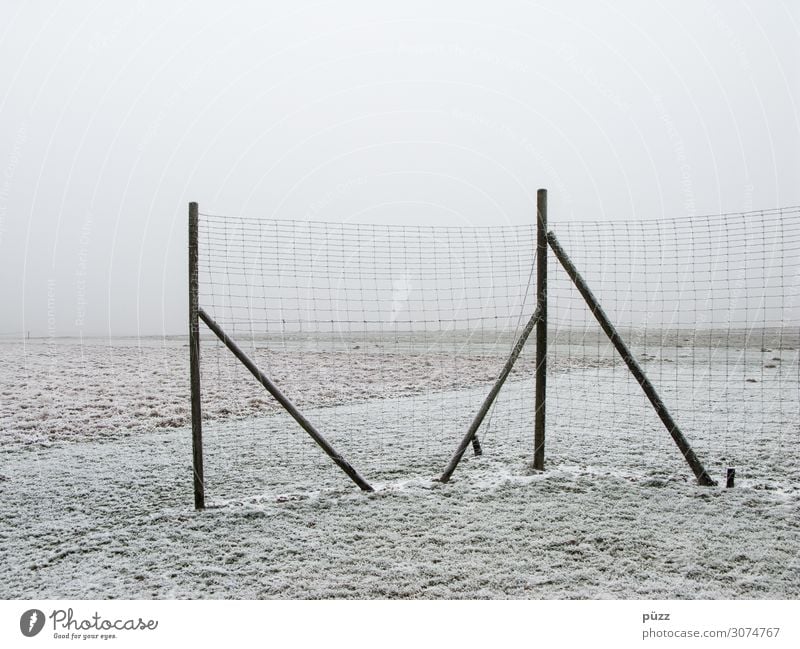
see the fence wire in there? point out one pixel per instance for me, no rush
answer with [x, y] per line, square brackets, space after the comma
[710, 306]
[389, 337]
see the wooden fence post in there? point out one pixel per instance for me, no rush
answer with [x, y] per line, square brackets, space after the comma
[194, 363]
[541, 329]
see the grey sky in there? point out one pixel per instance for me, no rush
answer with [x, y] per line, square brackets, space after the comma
[113, 117]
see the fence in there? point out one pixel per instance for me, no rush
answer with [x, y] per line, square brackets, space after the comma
[711, 308]
[389, 340]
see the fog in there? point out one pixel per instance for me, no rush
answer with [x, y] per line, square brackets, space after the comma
[113, 117]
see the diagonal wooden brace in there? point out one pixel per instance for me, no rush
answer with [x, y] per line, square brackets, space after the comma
[489, 400]
[661, 410]
[284, 401]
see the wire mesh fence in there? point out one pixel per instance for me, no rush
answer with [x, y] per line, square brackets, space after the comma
[389, 337]
[711, 307]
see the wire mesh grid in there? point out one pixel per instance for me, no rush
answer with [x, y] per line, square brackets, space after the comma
[709, 306]
[389, 337]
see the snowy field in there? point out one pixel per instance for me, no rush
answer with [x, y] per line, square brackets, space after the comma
[96, 501]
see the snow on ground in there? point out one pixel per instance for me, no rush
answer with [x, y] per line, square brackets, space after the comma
[95, 504]
[62, 388]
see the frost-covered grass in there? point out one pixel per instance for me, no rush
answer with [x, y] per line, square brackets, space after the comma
[113, 520]
[616, 514]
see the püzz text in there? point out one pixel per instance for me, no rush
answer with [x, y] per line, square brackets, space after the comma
[654, 617]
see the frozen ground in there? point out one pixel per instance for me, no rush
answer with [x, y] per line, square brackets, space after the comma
[54, 390]
[95, 488]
